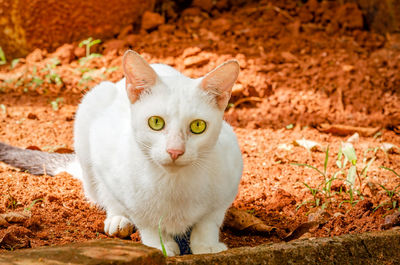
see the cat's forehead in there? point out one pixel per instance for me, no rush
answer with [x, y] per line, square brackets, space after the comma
[178, 97]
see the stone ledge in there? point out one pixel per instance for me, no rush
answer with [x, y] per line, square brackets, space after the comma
[106, 251]
[368, 248]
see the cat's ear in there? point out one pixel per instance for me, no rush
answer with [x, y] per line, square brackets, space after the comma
[139, 75]
[219, 82]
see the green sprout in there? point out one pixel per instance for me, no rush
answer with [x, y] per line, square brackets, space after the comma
[161, 240]
[55, 104]
[88, 43]
[3, 59]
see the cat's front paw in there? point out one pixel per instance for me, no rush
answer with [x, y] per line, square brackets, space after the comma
[201, 248]
[118, 226]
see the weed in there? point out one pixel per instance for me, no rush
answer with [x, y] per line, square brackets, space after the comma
[55, 104]
[12, 201]
[324, 188]
[3, 108]
[393, 204]
[52, 77]
[3, 59]
[14, 63]
[88, 43]
[347, 163]
[32, 204]
[161, 240]
[290, 126]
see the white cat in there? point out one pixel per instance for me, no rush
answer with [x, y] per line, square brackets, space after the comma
[154, 147]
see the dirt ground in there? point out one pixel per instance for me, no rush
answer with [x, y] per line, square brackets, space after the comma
[306, 70]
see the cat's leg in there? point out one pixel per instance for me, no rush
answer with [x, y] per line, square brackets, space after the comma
[151, 238]
[118, 225]
[205, 234]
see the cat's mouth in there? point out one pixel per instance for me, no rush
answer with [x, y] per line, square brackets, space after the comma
[174, 164]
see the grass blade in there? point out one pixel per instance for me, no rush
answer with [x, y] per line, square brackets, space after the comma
[326, 159]
[161, 240]
[391, 170]
[307, 165]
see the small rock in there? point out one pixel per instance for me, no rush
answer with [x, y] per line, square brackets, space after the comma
[195, 61]
[166, 28]
[132, 39]
[32, 116]
[392, 220]
[151, 20]
[35, 56]
[80, 52]
[221, 25]
[191, 11]
[206, 5]
[114, 44]
[64, 53]
[191, 51]
[349, 16]
[125, 32]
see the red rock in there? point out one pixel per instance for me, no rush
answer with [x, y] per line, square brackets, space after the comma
[221, 25]
[166, 28]
[195, 61]
[114, 44]
[191, 11]
[206, 5]
[35, 56]
[80, 52]
[349, 16]
[65, 53]
[151, 20]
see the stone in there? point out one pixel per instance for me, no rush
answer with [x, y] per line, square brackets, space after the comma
[151, 20]
[104, 251]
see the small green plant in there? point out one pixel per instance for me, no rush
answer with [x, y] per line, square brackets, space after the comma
[29, 208]
[14, 63]
[391, 193]
[3, 108]
[347, 154]
[88, 43]
[3, 59]
[161, 240]
[324, 188]
[35, 79]
[55, 104]
[52, 77]
[12, 201]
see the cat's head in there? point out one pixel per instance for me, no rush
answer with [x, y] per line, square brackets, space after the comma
[176, 120]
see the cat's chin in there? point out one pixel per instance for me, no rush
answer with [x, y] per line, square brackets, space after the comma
[174, 165]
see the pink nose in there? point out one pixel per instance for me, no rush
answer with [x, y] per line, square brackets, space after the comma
[174, 153]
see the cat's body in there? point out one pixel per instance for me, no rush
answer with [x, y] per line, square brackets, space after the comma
[175, 175]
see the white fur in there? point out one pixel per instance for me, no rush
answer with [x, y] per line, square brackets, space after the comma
[127, 171]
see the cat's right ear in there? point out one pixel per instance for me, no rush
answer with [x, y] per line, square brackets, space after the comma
[139, 75]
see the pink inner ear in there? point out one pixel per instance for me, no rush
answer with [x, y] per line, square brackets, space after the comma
[139, 75]
[219, 82]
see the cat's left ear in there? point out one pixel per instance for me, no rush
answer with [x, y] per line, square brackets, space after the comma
[139, 75]
[219, 82]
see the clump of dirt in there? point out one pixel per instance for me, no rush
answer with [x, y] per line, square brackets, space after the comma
[304, 67]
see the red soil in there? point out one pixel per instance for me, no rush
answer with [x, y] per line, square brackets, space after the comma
[302, 66]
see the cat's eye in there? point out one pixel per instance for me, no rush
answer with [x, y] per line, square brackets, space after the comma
[198, 126]
[156, 123]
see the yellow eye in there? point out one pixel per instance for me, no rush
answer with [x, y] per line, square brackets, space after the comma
[198, 126]
[156, 123]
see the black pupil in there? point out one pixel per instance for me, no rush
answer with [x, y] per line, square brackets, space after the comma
[156, 121]
[198, 124]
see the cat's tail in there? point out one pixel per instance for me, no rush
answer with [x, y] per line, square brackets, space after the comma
[38, 162]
